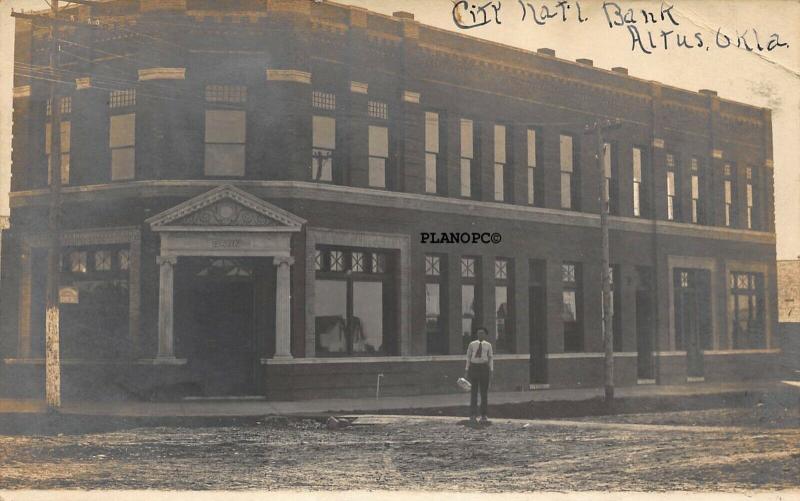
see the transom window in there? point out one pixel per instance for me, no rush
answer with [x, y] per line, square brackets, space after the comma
[226, 93]
[102, 260]
[323, 100]
[356, 261]
[432, 265]
[66, 105]
[124, 259]
[77, 261]
[122, 98]
[84, 260]
[468, 267]
[378, 109]
[501, 269]
[568, 273]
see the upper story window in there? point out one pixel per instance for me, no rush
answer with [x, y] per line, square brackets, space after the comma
[323, 137]
[65, 132]
[751, 223]
[567, 172]
[499, 162]
[467, 155]
[637, 182]
[378, 155]
[226, 130]
[531, 164]
[607, 175]
[431, 152]
[729, 191]
[673, 205]
[122, 133]
[696, 181]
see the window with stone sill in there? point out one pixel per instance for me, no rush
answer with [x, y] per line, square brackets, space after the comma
[431, 152]
[378, 155]
[323, 148]
[225, 130]
[65, 132]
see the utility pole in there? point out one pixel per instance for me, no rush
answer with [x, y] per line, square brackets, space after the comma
[52, 306]
[597, 129]
[52, 286]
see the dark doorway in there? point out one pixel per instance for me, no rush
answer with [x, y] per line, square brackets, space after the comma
[692, 316]
[214, 323]
[644, 334]
[537, 309]
[645, 323]
[537, 313]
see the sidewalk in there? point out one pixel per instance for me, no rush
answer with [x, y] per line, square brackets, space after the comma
[250, 408]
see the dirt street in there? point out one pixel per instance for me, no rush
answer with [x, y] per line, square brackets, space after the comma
[390, 452]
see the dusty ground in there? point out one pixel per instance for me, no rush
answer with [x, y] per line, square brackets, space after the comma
[415, 453]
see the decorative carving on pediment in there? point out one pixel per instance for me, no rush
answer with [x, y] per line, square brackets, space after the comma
[225, 213]
[226, 207]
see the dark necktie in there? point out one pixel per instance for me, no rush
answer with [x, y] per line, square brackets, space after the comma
[480, 349]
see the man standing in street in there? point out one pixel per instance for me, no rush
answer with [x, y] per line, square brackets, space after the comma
[479, 369]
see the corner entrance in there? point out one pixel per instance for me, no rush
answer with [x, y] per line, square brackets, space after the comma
[215, 323]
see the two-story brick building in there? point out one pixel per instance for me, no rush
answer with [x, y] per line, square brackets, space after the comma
[246, 187]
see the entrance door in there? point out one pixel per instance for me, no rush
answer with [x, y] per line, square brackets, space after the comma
[214, 323]
[692, 316]
[537, 310]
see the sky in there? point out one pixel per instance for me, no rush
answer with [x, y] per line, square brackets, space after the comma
[767, 78]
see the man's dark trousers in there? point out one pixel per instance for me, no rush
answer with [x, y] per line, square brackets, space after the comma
[479, 378]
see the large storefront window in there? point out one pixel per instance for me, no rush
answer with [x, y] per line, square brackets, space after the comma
[571, 307]
[747, 312]
[94, 302]
[502, 301]
[435, 330]
[470, 298]
[352, 302]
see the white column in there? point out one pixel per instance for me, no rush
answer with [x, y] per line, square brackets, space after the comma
[166, 339]
[283, 312]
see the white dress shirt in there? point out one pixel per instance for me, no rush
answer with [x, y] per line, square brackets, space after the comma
[485, 357]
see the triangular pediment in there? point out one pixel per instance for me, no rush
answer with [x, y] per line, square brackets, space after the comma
[226, 208]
